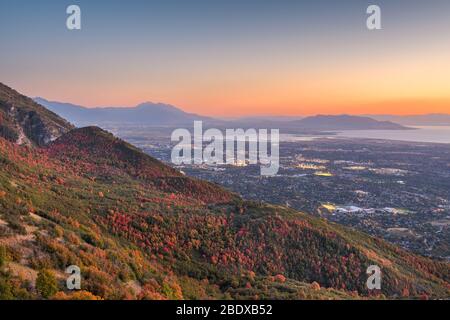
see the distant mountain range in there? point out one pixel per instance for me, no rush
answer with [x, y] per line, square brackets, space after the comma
[159, 114]
[319, 123]
[344, 122]
[435, 119]
[140, 229]
[147, 113]
[350, 122]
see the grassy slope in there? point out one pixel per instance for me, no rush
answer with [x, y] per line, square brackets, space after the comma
[122, 217]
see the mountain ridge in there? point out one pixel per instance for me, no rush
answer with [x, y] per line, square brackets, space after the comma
[161, 114]
[114, 156]
[24, 121]
[345, 122]
[431, 119]
[82, 200]
[148, 113]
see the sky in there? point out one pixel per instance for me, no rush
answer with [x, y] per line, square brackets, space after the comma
[230, 57]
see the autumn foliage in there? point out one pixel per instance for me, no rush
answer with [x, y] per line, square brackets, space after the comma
[138, 229]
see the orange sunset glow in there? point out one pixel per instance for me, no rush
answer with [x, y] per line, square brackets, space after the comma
[275, 61]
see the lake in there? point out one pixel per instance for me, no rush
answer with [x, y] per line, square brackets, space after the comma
[433, 134]
[437, 134]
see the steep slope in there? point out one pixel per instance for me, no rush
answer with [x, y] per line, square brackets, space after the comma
[99, 154]
[134, 239]
[139, 229]
[95, 146]
[24, 121]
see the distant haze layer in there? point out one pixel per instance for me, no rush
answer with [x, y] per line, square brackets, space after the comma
[233, 57]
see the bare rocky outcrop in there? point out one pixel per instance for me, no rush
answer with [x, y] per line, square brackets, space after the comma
[25, 122]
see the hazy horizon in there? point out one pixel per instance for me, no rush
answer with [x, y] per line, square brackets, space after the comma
[240, 116]
[233, 58]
